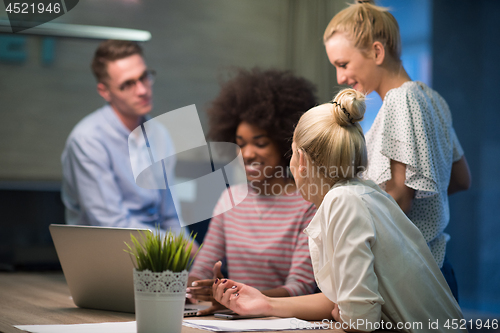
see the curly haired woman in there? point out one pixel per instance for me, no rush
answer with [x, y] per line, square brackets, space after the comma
[261, 238]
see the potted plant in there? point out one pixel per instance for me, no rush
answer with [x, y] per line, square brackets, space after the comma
[160, 278]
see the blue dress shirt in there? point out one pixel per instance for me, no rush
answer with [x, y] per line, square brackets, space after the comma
[98, 184]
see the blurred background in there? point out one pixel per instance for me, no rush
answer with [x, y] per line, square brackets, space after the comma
[46, 87]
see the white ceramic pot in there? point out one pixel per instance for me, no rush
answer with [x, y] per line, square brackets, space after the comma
[159, 301]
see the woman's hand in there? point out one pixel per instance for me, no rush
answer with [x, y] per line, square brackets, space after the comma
[240, 298]
[202, 290]
[336, 313]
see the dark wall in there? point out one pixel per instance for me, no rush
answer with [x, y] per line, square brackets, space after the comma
[26, 211]
[25, 241]
[466, 72]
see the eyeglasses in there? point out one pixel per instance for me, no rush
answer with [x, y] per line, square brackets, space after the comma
[147, 79]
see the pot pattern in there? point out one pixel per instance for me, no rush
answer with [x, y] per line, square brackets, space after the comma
[160, 282]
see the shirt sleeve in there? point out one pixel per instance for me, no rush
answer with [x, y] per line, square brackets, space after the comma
[300, 280]
[458, 152]
[415, 134]
[214, 247]
[87, 164]
[351, 270]
[170, 217]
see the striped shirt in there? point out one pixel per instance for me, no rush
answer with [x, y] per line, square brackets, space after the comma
[263, 241]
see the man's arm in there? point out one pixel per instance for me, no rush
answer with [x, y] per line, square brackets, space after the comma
[89, 177]
[171, 215]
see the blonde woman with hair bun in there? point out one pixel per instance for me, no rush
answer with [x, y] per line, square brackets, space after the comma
[372, 264]
[337, 140]
[413, 151]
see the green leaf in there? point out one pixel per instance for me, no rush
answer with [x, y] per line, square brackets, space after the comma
[158, 253]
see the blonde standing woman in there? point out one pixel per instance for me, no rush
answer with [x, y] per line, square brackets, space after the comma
[413, 151]
[370, 261]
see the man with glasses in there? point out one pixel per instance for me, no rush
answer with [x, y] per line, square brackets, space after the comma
[98, 183]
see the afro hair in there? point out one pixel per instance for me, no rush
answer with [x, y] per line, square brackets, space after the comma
[273, 100]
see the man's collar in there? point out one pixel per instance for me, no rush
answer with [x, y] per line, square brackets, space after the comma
[115, 121]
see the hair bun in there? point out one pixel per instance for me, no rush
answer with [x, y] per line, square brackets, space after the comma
[348, 107]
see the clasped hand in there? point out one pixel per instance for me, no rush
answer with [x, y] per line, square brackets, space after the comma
[201, 290]
[225, 293]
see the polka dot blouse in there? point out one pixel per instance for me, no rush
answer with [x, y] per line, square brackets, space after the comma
[414, 127]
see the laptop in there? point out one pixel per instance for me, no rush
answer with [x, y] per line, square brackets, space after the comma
[97, 269]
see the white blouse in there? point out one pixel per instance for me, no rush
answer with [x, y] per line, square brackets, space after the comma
[414, 127]
[371, 260]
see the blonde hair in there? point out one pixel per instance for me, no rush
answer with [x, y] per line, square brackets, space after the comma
[331, 136]
[364, 23]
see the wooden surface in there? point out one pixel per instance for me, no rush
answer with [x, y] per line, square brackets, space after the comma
[44, 298]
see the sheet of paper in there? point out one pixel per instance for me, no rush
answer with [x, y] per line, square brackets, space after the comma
[120, 327]
[248, 325]
[242, 325]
